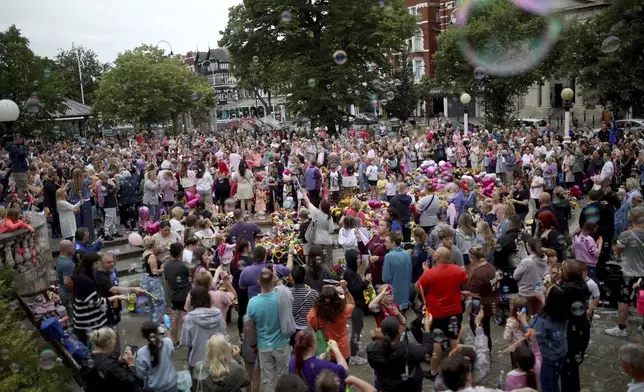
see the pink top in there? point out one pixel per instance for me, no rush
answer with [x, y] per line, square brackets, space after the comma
[513, 332]
[218, 299]
[585, 249]
[516, 378]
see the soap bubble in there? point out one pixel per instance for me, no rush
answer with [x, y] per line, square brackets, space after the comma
[15, 368]
[179, 279]
[383, 102]
[498, 247]
[439, 335]
[390, 95]
[578, 308]
[453, 320]
[579, 358]
[312, 82]
[349, 90]
[47, 359]
[479, 73]
[33, 104]
[14, 305]
[610, 44]
[501, 58]
[340, 57]
[505, 289]
[255, 59]
[397, 82]
[286, 17]
[334, 95]
[47, 73]
[381, 3]
[4, 354]
[377, 84]
[36, 83]
[328, 87]
[561, 239]
[200, 371]
[344, 118]
[592, 214]
[356, 92]
[195, 96]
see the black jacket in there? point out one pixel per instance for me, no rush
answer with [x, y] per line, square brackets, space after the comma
[401, 203]
[505, 255]
[390, 370]
[563, 213]
[129, 191]
[105, 373]
[606, 222]
[18, 158]
[49, 193]
[578, 331]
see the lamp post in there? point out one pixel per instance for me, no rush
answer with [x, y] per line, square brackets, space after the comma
[167, 43]
[208, 64]
[465, 100]
[567, 95]
[80, 72]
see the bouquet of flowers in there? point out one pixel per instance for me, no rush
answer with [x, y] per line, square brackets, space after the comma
[337, 269]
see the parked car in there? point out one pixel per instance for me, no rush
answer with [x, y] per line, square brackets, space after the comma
[532, 122]
[636, 124]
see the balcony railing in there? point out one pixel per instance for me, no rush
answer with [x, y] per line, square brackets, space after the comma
[29, 254]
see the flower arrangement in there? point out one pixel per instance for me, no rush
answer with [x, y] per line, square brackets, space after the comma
[337, 269]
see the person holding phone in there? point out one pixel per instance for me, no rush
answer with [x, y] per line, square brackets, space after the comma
[484, 290]
[154, 361]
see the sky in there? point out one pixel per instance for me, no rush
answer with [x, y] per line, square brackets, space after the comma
[112, 26]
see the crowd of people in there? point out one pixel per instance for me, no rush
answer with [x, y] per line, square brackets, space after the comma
[434, 229]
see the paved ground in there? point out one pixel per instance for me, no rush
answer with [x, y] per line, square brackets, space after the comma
[599, 372]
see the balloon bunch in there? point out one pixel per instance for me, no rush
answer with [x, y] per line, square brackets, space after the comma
[192, 198]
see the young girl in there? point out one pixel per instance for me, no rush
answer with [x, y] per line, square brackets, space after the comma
[168, 188]
[175, 223]
[390, 188]
[334, 184]
[513, 332]
[383, 305]
[536, 187]
[464, 236]
[528, 367]
[372, 178]
[586, 249]
[205, 233]
[260, 198]
[66, 213]
[14, 222]
[381, 186]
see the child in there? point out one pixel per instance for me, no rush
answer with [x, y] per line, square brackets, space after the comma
[390, 188]
[488, 215]
[372, 178]
[334, 184]
[206, 234]
[585, 249]
[14, 222]
[528, 367]
[593, 300]
[260, 198]
[200, 324]
[220, 299]
[190, 227]
[225, 252]
[513, 332]
[175, 223]
[381, 186]
[304, 224]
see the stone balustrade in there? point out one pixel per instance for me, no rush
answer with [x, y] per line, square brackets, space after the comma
[29, 254]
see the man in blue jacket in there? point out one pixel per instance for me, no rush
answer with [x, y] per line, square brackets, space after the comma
[19, 166]
[81, 247]
[396, 269]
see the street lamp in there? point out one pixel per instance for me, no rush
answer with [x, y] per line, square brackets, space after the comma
[9, 112]
[167, 43]
[567, 95]
[208, 64]
[465, 100]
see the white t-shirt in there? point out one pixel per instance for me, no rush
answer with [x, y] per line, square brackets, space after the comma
[372, 173]
[607, 171]
[593, 289]
[176, 227]
[536, 192]
[234, 161]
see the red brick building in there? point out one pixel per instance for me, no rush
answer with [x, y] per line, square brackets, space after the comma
[432, 18]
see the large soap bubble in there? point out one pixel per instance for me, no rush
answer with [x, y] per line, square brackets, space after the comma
[503, 58]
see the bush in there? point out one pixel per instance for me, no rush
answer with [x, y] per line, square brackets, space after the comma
[21, 367]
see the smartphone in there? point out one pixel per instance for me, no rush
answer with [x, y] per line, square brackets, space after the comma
[133, 349]
[331, 281]
[476, 305]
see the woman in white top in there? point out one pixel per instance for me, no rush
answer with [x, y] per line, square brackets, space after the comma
[245, 181]
[151, 194]
[187, 178]
[66, 212]
[322, 227]
[351, 233]
[428, 208]
[204, 184]
[536, 187]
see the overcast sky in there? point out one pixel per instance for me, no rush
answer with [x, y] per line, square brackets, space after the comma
[112, 26]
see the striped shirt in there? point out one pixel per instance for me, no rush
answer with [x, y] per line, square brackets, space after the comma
[90, 309]
[304, 299]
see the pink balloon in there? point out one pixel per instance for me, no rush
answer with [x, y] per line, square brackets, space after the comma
[135, 239]
[189, 195]
[431, 170]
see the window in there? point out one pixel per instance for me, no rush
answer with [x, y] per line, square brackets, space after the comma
[413, 11]
[418, 68]
[438, 14]
[417, 45]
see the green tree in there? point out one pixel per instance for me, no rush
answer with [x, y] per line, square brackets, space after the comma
[406, 93]
[23, 74]
[91, 69]
[145, 88]
[288, 47]
[614, 76]
[504, 32]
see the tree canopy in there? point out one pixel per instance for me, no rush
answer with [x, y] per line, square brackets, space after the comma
[145, 88]
[23, 75]
[405, 93]
[608, 76]
[288, 46]
[504, 34]
[91, 69]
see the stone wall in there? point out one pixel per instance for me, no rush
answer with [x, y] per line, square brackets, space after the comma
[30, 255]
